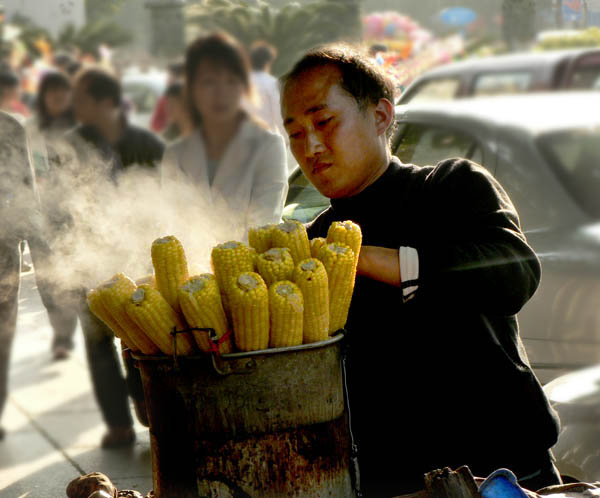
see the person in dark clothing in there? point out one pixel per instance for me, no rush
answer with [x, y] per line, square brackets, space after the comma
[19, 206]
[437, 374]
[106, 140]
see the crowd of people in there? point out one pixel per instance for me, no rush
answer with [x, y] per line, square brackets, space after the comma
[436, 370]
[206, 132]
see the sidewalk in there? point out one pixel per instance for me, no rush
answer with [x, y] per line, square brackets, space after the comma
[53, 424]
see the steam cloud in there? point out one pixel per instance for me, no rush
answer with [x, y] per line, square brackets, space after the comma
[111, 225]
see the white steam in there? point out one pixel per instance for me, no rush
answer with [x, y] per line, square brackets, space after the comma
[112, 224]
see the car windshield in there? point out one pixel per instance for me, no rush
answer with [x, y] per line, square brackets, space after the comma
[575, 155]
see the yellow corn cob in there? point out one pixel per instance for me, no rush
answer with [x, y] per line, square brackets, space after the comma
[316, 244]
[346, 232]
[228, 261]
[338, 260]
[249, 300]
[261, 238]
[274, 265]
[99, 310]
[201, 304]
[149, 309]
[115, 295]
[170, 268]
[311, 277]
[286, 309]
[292, 234]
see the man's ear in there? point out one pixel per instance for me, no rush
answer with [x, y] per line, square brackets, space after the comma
[384, 115]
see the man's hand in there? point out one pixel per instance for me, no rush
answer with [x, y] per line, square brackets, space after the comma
[380, 263]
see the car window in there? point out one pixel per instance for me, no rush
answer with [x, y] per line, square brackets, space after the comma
[502, 83]
[575, 155]
[142, 97]
[424, 144]
[434, 89]
[586, 73]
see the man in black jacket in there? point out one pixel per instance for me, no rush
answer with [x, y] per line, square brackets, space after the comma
[437, 374]
[106, 142]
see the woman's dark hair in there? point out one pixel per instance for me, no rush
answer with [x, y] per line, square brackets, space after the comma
[50, 81]
[219, 49]
[360, 77]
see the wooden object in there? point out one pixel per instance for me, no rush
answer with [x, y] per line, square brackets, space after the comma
[445, 483]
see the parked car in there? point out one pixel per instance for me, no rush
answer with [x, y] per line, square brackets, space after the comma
[576, 398]
[544, 149]
[141, 91]
[507, 74]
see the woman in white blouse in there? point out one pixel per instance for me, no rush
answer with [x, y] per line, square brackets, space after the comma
[234, 163]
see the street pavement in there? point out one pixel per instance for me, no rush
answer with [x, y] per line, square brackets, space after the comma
[53, 424]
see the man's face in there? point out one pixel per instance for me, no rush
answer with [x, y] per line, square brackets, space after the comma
[86, 108]
[337, 145]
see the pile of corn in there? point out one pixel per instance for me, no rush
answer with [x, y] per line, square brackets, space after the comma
[280, 290]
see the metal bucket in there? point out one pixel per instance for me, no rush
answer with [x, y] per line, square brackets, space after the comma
[268, 423]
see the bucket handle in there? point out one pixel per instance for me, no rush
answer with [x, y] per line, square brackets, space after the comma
[211, 334]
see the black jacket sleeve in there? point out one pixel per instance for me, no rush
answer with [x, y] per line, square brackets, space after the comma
[478, 256]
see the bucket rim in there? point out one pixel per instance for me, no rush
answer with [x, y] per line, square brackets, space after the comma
[339, 335]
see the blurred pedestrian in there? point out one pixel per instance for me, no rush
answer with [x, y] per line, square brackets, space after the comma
[179, 120]
[105, 139]
[18, 219]
[266, 86]
[53, 116]
[159, 119]
[235, 162]
[10, 94]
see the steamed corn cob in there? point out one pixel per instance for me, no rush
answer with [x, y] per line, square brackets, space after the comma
[315, 245]
[338, 260]
[286, 310]
[201, 304]
[99, 310]
[346, 232]
[149, 309]
[261, 238]
[311, 278]
[115, 295]
[249, 301]
[170, 268]
[275, 264]
[292, 234]
[228, 261]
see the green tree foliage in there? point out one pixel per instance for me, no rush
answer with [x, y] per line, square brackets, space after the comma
[92, 35]
[518, 23]
[292, 29]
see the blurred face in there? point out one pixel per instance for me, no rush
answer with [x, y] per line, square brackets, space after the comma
[217, 92]
[57, 100]
[86, 108]
[340, 148]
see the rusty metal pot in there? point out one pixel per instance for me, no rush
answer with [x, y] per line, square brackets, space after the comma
[266, 424]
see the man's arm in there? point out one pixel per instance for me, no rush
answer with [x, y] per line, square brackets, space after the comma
[480, 258]
[380, 263]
